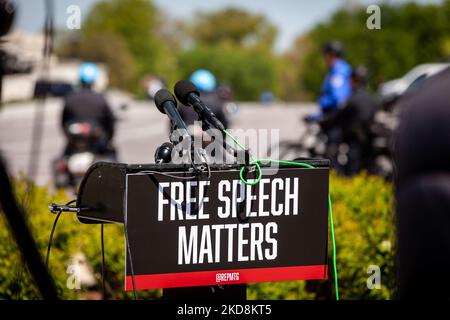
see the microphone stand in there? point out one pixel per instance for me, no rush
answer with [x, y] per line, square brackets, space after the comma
[206, 125]
[195, 153]
[212, 292]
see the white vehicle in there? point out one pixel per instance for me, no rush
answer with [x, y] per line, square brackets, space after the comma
[393, 89]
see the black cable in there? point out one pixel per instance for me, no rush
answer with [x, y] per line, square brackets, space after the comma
[168, 175]
[102, 246]
[177, 177]
[103, 261]
[50, 240]
[131, 260]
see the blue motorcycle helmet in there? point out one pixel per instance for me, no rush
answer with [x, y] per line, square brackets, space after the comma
[88, 73]
[204, 80]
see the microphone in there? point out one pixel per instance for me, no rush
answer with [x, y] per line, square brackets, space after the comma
[164, 153]
[166, 103]
[188, 94]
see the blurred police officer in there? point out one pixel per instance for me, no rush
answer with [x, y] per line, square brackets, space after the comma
[335, 92]
[354, 120]
[336, 88]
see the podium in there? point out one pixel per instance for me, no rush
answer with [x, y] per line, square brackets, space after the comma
[199, 235]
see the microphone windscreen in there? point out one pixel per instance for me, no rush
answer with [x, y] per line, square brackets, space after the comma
[167, 145]
[183, 88]
[162, 96]
[164, 153]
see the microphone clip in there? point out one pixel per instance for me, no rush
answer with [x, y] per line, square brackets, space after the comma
[56, 208]
[200, 163]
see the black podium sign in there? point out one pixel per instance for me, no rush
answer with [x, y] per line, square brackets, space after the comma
[185, 232]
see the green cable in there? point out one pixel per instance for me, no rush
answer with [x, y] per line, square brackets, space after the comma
[301, 164]
[333, 244]
[254, 183]
[235, 140]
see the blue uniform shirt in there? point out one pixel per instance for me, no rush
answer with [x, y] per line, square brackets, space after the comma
[336, 88]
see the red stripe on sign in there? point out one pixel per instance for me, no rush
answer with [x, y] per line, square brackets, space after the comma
[203, 278]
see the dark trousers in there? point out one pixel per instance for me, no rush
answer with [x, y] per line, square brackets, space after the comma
[334, 138]
[355, 158]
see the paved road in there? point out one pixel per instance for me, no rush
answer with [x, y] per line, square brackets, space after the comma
[141, 129]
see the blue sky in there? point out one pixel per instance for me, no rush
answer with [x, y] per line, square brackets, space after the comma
[292, 17]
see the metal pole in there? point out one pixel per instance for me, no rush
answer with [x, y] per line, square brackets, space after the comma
[19, 228]
[39, 115]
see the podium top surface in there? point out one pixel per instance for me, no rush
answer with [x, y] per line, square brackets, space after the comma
[102, 191]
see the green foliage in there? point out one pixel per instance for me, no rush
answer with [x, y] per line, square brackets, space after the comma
[113, 51]
[234, 26]
[363, 221]
[133, 39]
[134, 21]
[236, 46]
[410, 34]
[248, 71]
[124, 34]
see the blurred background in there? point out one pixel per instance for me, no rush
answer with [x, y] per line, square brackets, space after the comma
[267, 56]
[267, 52]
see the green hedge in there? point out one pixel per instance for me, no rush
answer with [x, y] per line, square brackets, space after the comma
[364, 236]
[363, 221]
